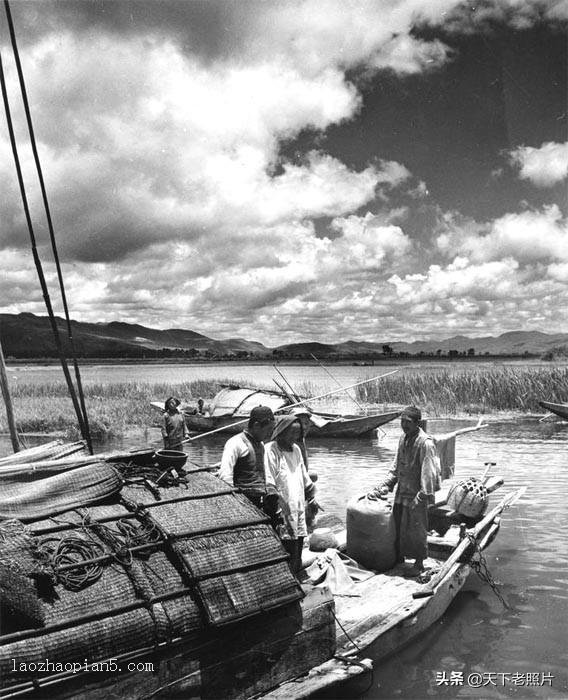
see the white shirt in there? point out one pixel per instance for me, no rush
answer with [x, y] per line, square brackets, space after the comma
[286, 473]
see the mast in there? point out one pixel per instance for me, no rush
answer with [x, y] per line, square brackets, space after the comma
[8, 402]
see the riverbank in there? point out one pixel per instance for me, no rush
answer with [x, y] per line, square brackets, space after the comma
[114, 408]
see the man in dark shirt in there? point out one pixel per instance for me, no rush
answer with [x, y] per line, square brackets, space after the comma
[242, 463]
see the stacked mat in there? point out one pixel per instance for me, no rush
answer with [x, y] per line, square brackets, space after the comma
[133, 573]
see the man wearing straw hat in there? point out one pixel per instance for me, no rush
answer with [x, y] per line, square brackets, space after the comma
[416, 473]
[242, 463]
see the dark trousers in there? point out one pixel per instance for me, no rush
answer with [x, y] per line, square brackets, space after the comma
[294, 549]
[411, 526]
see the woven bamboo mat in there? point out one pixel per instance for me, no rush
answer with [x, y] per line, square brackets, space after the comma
[56, 494]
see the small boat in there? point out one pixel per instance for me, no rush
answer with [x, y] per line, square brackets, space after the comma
[390, 609]
[560, 409]
[230, 408]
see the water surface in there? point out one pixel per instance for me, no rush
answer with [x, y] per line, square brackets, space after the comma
[529, 559]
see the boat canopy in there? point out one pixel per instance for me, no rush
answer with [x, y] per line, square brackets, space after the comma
[240, 402]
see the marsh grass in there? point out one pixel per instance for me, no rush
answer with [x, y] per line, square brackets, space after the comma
[113, 409]
[473, 391]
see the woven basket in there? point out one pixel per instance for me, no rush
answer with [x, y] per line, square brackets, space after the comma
[468, 497]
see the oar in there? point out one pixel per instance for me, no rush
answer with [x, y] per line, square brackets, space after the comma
[286, 408]
[337, 382]
[461, 547]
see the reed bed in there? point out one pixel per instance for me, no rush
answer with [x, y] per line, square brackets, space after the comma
[116, 408]
[475, 391]
[112, 408]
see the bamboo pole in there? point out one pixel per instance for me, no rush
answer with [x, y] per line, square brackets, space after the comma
[8, 403]
[337, 382]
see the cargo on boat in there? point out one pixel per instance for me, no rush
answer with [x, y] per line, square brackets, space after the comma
[141, 581]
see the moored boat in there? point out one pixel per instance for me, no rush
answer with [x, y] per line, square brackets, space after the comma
[194, 597]
[560, 409]
[230, 408]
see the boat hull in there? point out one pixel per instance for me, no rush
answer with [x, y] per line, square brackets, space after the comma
[322, 425]
[560, 409]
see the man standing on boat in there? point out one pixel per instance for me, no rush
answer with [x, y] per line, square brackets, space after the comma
[174, 430]
[416, 474]
[242, 463]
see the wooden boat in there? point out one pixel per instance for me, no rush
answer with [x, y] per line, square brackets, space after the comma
[560, 409]
[275, 645]
[233, 404]
[391, 609]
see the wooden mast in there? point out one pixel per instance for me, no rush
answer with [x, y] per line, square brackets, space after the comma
[8, 403]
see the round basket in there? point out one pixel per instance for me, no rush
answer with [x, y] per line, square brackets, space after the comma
[171, 459]
[468, 497]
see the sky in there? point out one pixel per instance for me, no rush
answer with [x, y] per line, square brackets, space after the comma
[293, 170]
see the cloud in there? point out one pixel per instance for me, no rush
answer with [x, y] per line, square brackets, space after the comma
[160, 127]
[545, 166]
[527, 237]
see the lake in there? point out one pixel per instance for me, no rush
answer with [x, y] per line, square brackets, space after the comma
[529, 558]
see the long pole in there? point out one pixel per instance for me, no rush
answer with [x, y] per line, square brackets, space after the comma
[86, 432]
[336, 381]
[8, 403]
[292, 393]
[286, 408]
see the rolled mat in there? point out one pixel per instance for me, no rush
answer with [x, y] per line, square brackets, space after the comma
[56, 494]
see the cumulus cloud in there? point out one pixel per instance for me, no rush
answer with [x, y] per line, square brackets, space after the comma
[527, 237]
[160, 128]
[544, 166]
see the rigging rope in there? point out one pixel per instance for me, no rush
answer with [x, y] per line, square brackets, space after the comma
[37, 260]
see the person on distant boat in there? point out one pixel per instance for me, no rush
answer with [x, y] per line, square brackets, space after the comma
[287, 478]
[174, 429]
[200, 406]
[242, 463]
[416, 473]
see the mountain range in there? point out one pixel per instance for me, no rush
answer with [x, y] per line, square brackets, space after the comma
[28, 336]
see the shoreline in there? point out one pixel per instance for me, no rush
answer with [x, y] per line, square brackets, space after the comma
[496, 417]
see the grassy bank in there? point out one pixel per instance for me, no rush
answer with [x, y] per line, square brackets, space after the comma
[112, 408]
[478, 391]
[115, 408]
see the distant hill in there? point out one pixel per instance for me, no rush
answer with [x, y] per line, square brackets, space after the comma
[29, 336]
[513, 343]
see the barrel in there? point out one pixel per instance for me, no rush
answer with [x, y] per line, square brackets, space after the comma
[371, 534]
